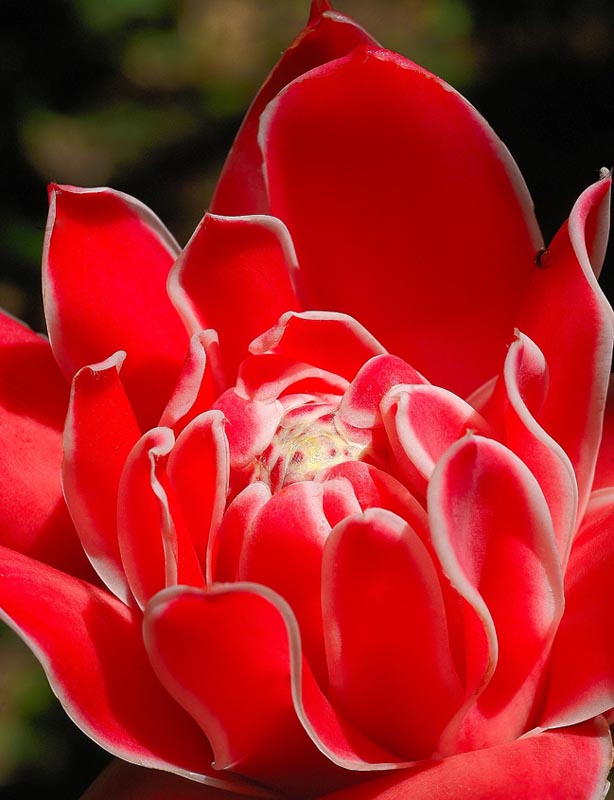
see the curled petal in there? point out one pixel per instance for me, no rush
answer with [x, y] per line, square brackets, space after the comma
[328, 35]
[91, 647]
[568, 317]
[487, 510]
[604, 469]
[333, 342]
[235, 275]
[570, 764]
[266, 377]
[99, 434]
[33, 400]
[421, 423]
[254, 696]
[250, 426]
[379, 585]
[156, 549]
[200, 382]
[105, 264]
[416, 241]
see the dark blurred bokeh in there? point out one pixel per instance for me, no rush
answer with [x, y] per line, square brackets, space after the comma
[146, 95]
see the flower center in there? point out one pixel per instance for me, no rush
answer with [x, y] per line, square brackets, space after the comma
[306, 442]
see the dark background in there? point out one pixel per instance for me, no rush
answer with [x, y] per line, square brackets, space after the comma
[146, 95]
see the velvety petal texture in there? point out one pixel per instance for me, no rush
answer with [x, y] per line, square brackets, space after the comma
[405, 239]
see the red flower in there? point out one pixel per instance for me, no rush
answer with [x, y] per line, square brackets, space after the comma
[373, 561]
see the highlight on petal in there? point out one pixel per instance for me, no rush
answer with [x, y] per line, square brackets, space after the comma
[569, 764]
[432, 234]
[235, 275]
[90, 645]
[106, 261]
[254, 696]
[570, 320]
[33, 398]
[333, 342]
[328, 35]
[99, 434]
[581, 682]
[387, 647]
[487, 510]
[155, 547]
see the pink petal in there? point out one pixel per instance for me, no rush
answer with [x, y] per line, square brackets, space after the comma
[91, 648]
[421, 423]
[200, 382]
[156, 549]
[399, 212]
[122, 781]
[235, 275]
[253, 695]
[329, 35]
[582, 679]
[283, 550]
[250, 426]
[333, 342]
[33, 400]
[492, 531]
[570, 320]
[525, 380]
[100, 431]
[105, 265]
[571, 764]
[360, 406]
[388, 652]
[198, 469]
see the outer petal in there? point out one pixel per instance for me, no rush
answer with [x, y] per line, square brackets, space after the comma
[100, 431]
[91, 647]
[33, 400]
[122, 781]
[253, 695]
[570, 320]
[387, 645]
[328, 35]
[406, 240]
[235, 275]
[582, 672]
[493, 534]
[155, 547]
[571, 764]
[604, 470]
[105, 264]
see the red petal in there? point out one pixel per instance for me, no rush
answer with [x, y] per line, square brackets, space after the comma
[250, 426]
[582, 678]
[525, 376]
[122, 781]
[571, 764]
[387, 646]
[360, 406]
[105, 265]
[200, 382]
[333, 342]
[266, 377]
[329, 35]
[400, 211]
[198, 468]
[99, 434]
[91, 648]
[421, 423]
[235, 276]
[232, 658]
[283, 550]
[33, 400]
[156, 549]
[492, 531]
[604, 470]
[570, 320]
